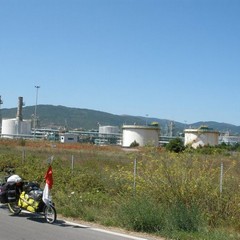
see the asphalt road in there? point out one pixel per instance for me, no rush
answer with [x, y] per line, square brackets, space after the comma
[29, 226]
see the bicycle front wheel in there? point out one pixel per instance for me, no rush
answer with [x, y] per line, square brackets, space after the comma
[50, 213]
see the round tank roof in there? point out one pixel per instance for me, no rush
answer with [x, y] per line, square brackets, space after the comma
[202, 129]
[139, 127]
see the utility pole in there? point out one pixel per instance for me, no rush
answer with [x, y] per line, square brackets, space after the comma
[1, 102]
[35, 113]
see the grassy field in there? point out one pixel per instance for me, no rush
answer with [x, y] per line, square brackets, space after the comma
[190, 195]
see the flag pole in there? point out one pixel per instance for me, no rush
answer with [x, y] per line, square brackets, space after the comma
[48, 183]
[50, 160]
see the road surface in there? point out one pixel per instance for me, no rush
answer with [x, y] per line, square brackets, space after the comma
[29, 226]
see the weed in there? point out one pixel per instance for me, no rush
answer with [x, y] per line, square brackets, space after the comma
[175, 195]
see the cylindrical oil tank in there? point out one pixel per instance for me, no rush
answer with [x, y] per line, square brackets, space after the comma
[201, 137]
[26, 127]
[142, 135]
[108, 130]
[9, 126]
[13, 127]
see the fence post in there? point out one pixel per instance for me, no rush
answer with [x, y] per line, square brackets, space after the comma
[23, 155]
[134, 176]
[72, 165]
[221, 179]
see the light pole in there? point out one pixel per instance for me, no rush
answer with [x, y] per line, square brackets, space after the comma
[1, 102]
[35, 113]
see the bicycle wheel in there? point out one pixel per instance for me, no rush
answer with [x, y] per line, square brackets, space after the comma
[50, 213]
[14, 208]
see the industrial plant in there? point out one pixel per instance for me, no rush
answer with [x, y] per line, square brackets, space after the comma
[201, 136]
[16, 127]
[141, 135]
[125, 136]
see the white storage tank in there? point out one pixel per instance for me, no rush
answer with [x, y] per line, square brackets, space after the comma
[108, 130]
[201, 137]
[142, 135]
[14, 127]
[26, 126]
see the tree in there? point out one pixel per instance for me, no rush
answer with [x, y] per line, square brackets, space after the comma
[175, 145]
[134, 144]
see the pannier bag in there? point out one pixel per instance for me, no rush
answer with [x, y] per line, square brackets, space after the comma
[11, 191]
[8, 192]
[29, 186]
[27, 202]
[36, 194]
[3, 194]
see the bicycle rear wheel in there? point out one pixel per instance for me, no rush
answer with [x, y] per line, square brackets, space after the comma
[14, 208]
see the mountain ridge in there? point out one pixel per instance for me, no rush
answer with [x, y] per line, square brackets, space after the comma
[82, 118]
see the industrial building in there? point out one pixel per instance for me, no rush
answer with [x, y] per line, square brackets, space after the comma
[107, 135]
[68, 138]
[228, 139]
[201, 136]
[142, 135]
[16, 127]
[108, 130]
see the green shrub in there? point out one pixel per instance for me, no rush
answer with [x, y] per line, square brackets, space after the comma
[141, 214]
[171, 194]
[175, 145]
[180, 217]
[134, 144]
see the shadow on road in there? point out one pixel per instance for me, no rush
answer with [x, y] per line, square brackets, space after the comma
[39, 218]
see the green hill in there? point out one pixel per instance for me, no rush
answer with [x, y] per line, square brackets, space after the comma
[72, 118]
[60, 116]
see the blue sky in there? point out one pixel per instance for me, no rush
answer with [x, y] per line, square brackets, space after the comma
[170, 59]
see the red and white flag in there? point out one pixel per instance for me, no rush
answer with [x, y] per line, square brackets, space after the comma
[49, 182]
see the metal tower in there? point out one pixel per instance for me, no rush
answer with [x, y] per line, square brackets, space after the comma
[171, 128]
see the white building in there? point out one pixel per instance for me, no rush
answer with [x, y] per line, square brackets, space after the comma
[201, 136]
[142, 135]
[228, 139]
[14, 127]
[68, 138]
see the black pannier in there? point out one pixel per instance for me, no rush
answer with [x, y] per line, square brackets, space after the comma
[36, 194]
[11, 191]
[8, 192]
[33, 190]
[29, 186]
[3, 194]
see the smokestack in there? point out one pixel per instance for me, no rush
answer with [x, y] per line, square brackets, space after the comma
[19, 110]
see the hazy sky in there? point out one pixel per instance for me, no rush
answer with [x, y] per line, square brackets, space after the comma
[172, 59]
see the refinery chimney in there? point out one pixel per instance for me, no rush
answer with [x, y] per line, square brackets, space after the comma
[19, 109]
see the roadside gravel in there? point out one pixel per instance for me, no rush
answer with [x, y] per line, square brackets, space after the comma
[113, 229]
